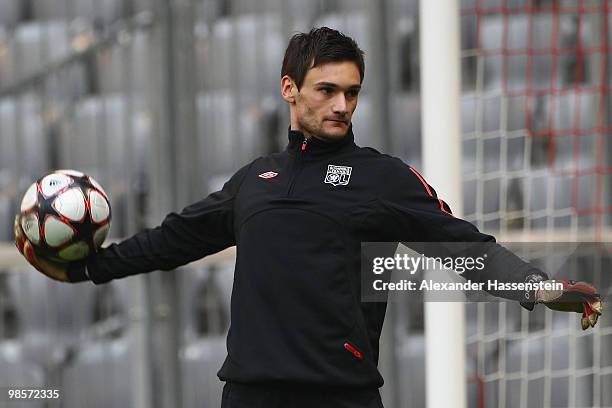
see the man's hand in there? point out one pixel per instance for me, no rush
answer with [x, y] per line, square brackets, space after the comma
[54, 270]
[579, 297]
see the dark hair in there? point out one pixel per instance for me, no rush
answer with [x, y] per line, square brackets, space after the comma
[319, 46]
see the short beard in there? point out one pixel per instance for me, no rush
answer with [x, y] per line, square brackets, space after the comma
[317, 133]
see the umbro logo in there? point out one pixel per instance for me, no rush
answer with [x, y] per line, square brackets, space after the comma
[268, 174]
[338, 175]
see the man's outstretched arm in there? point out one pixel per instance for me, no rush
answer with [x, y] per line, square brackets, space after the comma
[201, 229]
[431, 220]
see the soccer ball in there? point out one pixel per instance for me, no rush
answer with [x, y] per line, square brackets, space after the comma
[65, 215]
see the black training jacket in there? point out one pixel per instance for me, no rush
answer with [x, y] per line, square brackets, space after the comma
[297, 219]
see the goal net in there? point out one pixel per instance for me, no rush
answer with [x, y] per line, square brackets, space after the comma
[537, 127]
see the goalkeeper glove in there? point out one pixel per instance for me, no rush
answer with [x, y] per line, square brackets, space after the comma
[579, 297]
[54, 270]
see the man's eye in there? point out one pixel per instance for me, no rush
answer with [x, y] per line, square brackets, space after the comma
[326, 91]
[352, 94]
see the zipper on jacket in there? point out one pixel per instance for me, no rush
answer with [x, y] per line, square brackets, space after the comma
[351, 349]
[297, 168]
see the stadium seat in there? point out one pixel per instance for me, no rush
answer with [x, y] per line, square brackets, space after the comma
[9, 12]
[105, 363]
[17, 371]
[302, 13]
[410, 360]
[16, 368]
[36, 44]
[201, 360]
[105, 11]
[260, 43]
[529, 355]
[575, 110]
[7, 134]
[251, 87]
[362, 128]
[104, 142]
[23, 142]
[543, 64]
[217, 130]
[354, 24]
[50, 314]
[253, 39]
[517, 31]
[51, 322]
[6, 69]
[227, 143]
[8, 147]
[102, 353]
[204, 305]
[7, 210]
[405, 127]
[125, 68]
[218, 55]
[206, 316]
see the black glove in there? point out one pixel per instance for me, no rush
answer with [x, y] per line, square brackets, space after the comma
[579, 297]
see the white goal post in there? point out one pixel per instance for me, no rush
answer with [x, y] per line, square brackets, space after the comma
[445, 359]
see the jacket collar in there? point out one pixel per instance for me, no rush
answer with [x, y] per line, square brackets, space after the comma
[317, 146]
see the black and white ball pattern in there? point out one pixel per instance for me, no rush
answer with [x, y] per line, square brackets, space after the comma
[66, 215]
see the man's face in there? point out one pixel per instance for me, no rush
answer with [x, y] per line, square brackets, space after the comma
[324, 105]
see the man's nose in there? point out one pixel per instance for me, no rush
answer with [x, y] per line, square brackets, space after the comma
[339, 104]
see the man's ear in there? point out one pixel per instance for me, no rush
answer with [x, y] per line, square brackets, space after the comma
[288, 89]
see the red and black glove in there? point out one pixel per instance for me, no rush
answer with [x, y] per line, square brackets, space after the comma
[53, 270]
[579, 297]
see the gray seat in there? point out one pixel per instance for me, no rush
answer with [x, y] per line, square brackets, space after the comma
[214, 51]
[362, 122]
[410, 360]
[204, 303]
[226, 143]
[568, 107]
[126, 67]
[354, 23]
[405, 127]
[101, 361]
[217, 131]
[518, 27]
[7, 210]
[205, 300]
[410, 357]
[102, 353]
[200, 362]
[36, 44]
[534, 357]
[100, 366]
[9, 12]
[8, 171]
[112, 147]
[51, 314]
[105, 11]
[491, 40]
[17, 371]
[261, 45]
[248, 47]
[22, 140]
[6, 68]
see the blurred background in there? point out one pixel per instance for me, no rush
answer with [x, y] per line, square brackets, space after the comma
[162, 100]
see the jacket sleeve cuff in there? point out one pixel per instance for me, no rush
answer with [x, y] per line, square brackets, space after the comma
[77, 272]
[530, 296]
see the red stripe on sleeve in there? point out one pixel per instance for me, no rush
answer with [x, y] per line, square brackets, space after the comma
[416, 173]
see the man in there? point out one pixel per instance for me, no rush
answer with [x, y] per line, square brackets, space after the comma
[300, 335]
